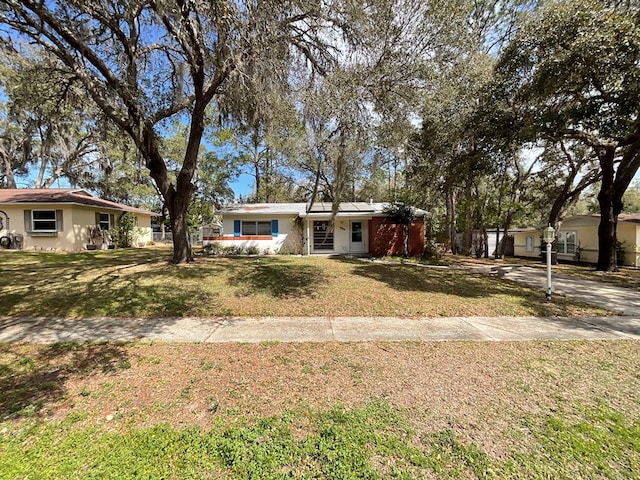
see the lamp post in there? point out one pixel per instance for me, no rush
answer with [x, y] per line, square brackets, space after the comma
[549, 236]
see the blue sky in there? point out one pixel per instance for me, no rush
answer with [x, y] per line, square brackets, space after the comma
[244, 185]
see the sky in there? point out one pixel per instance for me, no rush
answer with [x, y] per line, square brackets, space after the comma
[244, 185]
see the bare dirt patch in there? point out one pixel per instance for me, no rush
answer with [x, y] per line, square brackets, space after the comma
[480, 390]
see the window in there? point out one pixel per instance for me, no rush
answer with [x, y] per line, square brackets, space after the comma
[251, 228]
[322, 236]
[356, 232]
[529, 244]
[567, 243]
[43, 221]
[103, 221]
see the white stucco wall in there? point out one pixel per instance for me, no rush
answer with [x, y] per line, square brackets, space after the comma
[265, 246]
[629, 235]
[341, 235]
[341, 239]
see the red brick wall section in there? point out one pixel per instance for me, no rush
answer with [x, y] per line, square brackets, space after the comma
[385, 238]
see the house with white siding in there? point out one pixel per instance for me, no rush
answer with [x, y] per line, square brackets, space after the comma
[359, 228]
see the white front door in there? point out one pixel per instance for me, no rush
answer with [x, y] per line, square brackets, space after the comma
[356, 237]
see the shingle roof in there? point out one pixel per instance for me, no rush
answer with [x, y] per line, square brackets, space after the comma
[629, 217]
[623, 217]
[265, 208]
[301, 208]
[62, 196]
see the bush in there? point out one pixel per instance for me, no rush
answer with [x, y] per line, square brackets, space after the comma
[433, 250]
[216, 248]
[620, 252]
[212, 249]
[124, 233]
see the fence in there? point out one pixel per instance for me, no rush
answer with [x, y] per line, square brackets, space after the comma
[168, 238]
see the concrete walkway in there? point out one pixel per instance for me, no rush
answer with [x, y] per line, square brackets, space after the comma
[317, 329]
[351, 329]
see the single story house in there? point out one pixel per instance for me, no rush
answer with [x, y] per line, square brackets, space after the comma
[360, 228]
[62, 219]
[577, 239]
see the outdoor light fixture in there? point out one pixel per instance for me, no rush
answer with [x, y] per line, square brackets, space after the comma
[549, 236]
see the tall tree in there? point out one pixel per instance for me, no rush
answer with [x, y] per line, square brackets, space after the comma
[47, 116]
[572, 75]
[144, 62]
[452, 160]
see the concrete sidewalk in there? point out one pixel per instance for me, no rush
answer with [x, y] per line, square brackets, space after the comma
[317, 329]
[351, 329]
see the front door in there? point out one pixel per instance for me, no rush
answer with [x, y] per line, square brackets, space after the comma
[356, 244]
[322, 236]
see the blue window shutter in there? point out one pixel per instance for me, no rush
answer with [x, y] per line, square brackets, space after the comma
[236, 228]
[274, 228]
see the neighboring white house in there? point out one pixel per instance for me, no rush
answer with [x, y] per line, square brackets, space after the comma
[360, 228]
[61, 219]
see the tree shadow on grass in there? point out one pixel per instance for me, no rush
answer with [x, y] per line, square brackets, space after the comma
[412, 278]
[124, 283]
[463, 284]
[276, 277]
[34, 377]
[120, 296]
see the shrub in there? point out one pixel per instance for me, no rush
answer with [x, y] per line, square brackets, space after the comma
[433, 250]
[212, 249]
[124, 232]
[232, 250]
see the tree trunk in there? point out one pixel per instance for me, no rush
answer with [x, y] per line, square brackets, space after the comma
[451, 221]
[467, 236]
[485, 236]
[257, 175]
[502, 246]
[10, 180]
[405, 240]
[608, 219]
[178, 217]
[177, 197]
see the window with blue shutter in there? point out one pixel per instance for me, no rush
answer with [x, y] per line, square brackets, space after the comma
[274, 228]
[236, 228]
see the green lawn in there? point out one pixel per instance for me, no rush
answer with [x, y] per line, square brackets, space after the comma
[452, 410]
[375, 410]
[141, 282]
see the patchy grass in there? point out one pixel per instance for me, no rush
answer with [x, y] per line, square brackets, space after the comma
[372, 410]
[141, 282]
